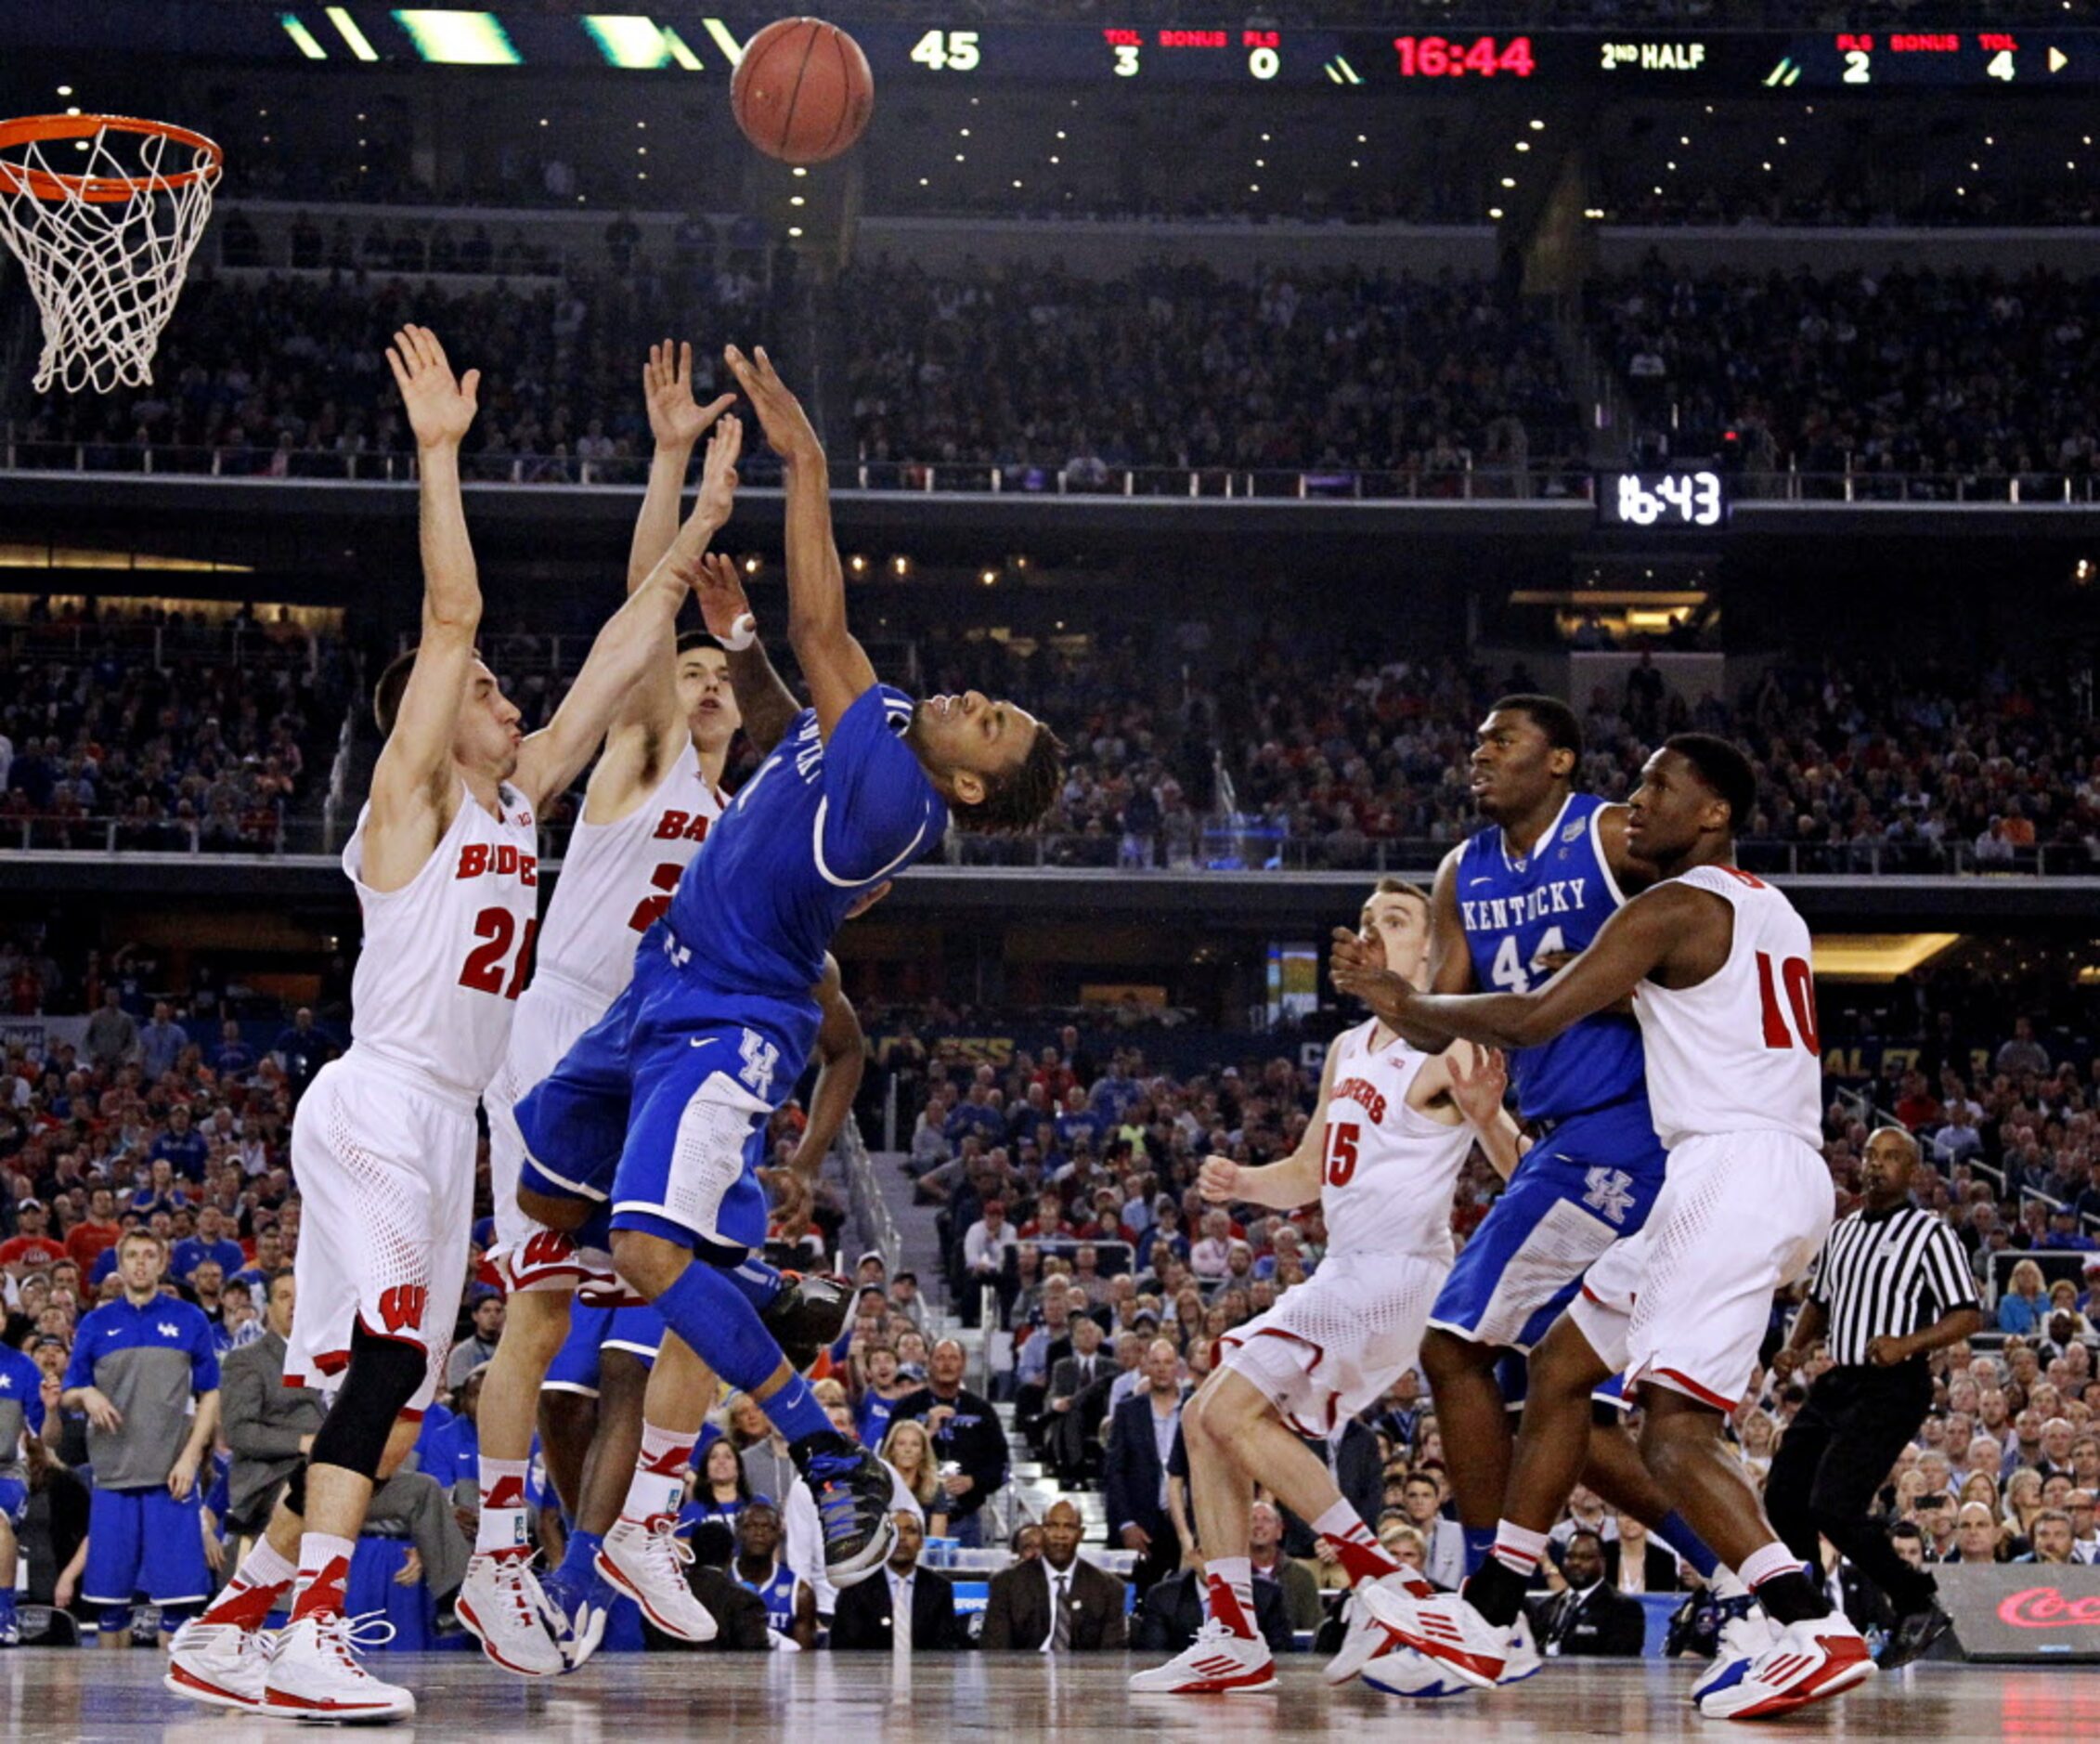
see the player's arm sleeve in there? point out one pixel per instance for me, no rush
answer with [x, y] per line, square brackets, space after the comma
[203, 1357]
[33, 1402]
[878, 805]
[80, 1366]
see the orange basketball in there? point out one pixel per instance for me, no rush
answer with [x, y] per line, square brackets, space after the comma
[803, 92]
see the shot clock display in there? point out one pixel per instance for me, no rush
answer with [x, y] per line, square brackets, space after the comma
[1665, 500]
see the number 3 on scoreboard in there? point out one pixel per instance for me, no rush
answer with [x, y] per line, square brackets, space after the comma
[955, 51]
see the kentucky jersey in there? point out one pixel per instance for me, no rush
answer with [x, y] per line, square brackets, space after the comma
[1521, 912]
[805, 836]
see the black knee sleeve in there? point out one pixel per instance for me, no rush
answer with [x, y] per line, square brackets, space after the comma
[295, 1492]
[383, 1376]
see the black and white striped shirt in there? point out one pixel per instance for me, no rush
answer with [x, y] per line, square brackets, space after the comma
[1890, 1272]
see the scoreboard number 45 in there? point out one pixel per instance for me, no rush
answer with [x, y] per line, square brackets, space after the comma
[951, 51]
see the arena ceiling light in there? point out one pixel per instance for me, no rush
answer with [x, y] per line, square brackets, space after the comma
[628, 39]
[346, 28]
[303, 37]
[460, 39]
[1879, 956]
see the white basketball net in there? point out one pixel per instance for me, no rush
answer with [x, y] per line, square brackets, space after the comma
[106, 273]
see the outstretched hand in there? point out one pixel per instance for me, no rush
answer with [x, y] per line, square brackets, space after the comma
[676, 419]
[721, 590]
[789, 430]
[440, 408]
[718, 474]
[1480, 1080]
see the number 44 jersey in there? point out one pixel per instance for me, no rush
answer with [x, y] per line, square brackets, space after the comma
[1522, 915]
[1739, 1052]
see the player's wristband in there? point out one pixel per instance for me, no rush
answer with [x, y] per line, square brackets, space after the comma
[741, 633]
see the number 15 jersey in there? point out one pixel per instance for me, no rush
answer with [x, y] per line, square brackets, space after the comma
[1518, 911]
[1387, 1170]
[1739, 1052]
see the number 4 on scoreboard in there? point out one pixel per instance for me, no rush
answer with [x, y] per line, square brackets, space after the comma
[953, 51]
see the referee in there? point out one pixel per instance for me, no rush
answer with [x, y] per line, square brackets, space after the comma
[1890, 1284]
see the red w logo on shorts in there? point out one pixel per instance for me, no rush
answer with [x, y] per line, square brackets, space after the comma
[547, 1248]
[402, 1306]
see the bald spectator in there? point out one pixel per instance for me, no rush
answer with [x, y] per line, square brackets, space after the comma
[1055, 1603]
[1142, 1434]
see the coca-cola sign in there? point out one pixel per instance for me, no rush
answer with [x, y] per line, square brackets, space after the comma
[2023, 1611]
[2048, 1607]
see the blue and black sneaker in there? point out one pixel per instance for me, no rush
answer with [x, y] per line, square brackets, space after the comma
[582, 1599]
[853, 1490]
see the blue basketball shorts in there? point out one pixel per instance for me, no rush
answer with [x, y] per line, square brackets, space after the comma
[14, 1506]
[1588, 1185]
[1513, 1375]
[639, 1331]
[145, 1541]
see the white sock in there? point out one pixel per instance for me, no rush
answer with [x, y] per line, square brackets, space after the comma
[265, 1566]
[1774, 1559]
[1236, 1575]
[1518, 1548]
[658, 1486]
[502, 1525]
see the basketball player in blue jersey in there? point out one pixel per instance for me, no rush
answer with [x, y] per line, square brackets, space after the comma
[662, 1106]
[1511, 905]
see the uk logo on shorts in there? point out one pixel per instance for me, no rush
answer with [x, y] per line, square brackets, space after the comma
[761, 1058]
[1608, 1193]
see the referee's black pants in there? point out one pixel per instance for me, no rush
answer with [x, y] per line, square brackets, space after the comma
[1834, 1455]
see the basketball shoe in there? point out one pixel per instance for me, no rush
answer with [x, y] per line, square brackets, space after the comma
[808, 1313]
[1445, 1629]
[1217, 1662]
[647, 1560]
[1364, 1637]
[221, 1664]
[852, 1490]
[500, 1602]
[584, 1603]
[315, 1672]
[1807, 1661]
[1745, 1632]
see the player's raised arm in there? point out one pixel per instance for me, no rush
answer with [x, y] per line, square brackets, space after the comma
[833, 664]
[1634, 942]
[412, 796]
[676, 422]
[636, 643]
[762, 698]
[1478, 1081]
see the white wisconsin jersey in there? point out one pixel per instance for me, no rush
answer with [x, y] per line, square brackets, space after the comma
[445, 957]
[1388, 1171]
[617, 878]
[1739, 1052]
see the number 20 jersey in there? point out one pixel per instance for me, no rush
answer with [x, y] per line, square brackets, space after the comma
[1739, 1051]
[445, 957]
[1516, 911]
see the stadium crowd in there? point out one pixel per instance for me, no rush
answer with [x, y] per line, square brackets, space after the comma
[1965, 377]
[176, 733]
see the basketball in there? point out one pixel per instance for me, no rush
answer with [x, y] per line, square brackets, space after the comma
[803, 92]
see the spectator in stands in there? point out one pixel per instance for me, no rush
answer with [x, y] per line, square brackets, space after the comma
[301, 1049]
[32, 1247]
[1636, 1562]
[1142, 1434]
[113, 1033]
[867, 1611]
[790, 1601]
[145, 1372]
[1056, 1603]
[1589, 1618]
[2053, 1536]
[97, 1231]
[2022, 1053]
[2022, 1306]
[183, 1149]
[966, 1435]
[909, 1450]
[1444, 1560]
[1265, 1548]
[479, 1346]
[209, 1243]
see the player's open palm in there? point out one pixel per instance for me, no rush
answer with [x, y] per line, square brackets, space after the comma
[718, 474]
[720, 590]
[789, 430]
[441, 407]
[1480, 1080]
[676, 419]
[1218, 1179]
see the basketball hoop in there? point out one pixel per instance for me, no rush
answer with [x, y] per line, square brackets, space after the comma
[103, 212]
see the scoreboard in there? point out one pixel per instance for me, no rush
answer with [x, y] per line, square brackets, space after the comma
[1396, 59]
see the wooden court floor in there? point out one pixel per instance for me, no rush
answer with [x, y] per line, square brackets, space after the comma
[57, 1697]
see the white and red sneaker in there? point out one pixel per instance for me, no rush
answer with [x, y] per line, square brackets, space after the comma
[1807, 1661]
[1217, 1662]
[315, 1674]
[647, 1560]
[501, 1603]
[1444, 1629]
[1364, 1637]
[222, 1665]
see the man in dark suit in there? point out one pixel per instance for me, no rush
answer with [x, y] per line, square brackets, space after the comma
[867, 1610]
[1055, 1603]
[1078, 1402]
[1590, 1619]
[1172, 1612]
[1141, 1439]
